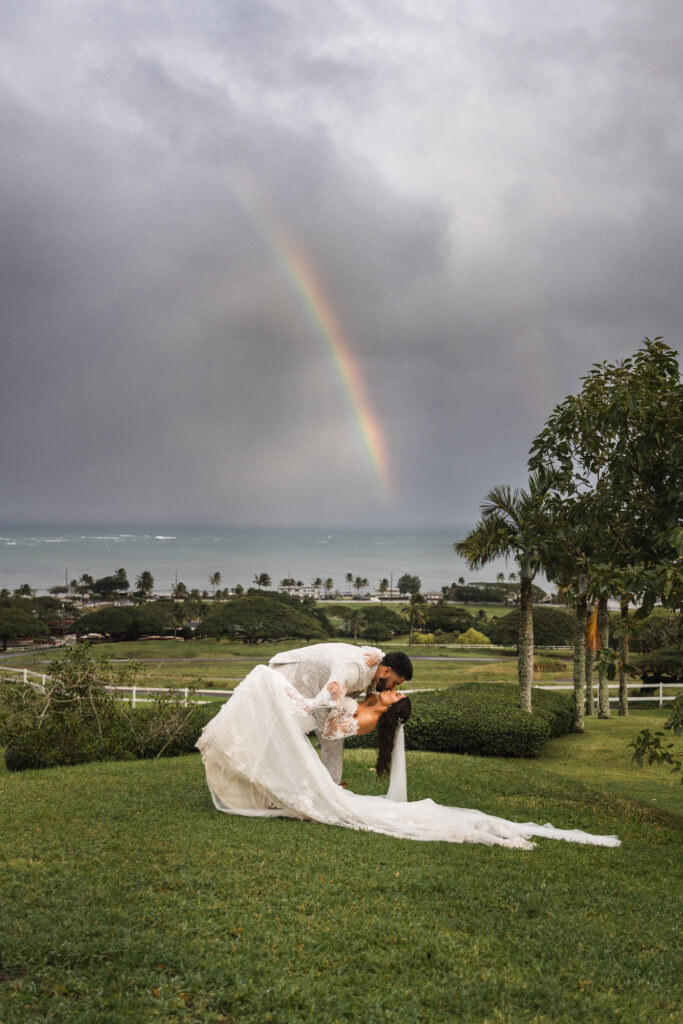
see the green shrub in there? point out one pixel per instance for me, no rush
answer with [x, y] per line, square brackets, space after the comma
[129, 734]
[473, 638]
[552, 628]
[424, 638]
[75, 718]
[482, 718]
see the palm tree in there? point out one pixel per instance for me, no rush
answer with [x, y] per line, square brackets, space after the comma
[262, 580]
[415, 613]
[461, 581]
[144, 583]
[383, 587]
[349, 580]
[507, 527]
[215, 581]
[356, 621]
[328, 584]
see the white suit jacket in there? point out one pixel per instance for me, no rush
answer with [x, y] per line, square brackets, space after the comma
[308, 669]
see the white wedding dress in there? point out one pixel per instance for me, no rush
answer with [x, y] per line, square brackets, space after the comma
[260, 763]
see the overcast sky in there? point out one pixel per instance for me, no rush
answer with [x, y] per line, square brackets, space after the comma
[488, 195]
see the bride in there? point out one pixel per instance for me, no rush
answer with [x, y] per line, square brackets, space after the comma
[260, 763]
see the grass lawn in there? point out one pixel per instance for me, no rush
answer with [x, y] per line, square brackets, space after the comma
[223, 665]
[128, 898]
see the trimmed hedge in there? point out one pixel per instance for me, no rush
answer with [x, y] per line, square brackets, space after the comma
[483, 719]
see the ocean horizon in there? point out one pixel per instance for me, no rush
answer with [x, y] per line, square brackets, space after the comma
[46, 555]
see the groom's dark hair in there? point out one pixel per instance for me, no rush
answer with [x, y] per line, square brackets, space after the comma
[400, 663]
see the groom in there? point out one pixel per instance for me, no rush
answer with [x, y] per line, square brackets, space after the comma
[359, 669]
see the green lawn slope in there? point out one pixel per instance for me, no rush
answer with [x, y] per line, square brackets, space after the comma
[128, 898]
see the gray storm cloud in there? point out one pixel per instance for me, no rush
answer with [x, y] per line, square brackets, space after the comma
[488, 196]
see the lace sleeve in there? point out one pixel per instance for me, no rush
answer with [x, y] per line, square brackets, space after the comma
[341, 721]
[332, 695]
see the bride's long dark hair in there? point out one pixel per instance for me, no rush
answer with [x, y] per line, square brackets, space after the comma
[386, 730]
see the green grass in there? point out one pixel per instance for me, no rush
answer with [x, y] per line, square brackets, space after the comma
[222, 665]
[128, 898]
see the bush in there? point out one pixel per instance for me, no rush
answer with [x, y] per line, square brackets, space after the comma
[472, 637]
[424, 638]
[552, 628]
[76, 719]
[376, 632]
[483, 719]
[260, 617]
[130, 734]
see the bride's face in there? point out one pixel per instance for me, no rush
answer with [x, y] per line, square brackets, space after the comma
[388, 697]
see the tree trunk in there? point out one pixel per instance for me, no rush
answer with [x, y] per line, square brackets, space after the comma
[580, 657]
[526, 640]
[603, 633]
[590, 655]
[623, 659]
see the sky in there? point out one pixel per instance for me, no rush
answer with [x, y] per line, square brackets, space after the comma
[303, 263]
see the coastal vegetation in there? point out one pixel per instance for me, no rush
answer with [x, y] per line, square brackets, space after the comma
[601, 515]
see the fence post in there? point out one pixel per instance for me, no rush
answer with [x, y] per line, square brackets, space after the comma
[133, 694]
[25, 675]
[43, 682]
[661, 693]
[186, 692]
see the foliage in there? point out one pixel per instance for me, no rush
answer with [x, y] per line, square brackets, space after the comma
[663, 628]
[377, 617]
[473, 637]
[615, 453]
[442, 616]
[662, 666]
[425, 639]
[109, 585]
[75, 718]
[647, 745]
[552, 627]
[19, 625]
[128, 623]
[482, 718]
[408, 584]
[259, 617]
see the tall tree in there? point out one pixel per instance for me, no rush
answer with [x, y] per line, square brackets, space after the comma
[616, 454]
[408, 584]
[144, 583]
[415, 613]
[215, 581]
[509, 524]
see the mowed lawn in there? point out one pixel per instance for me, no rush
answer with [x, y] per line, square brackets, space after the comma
[206, 663]
[127, 897]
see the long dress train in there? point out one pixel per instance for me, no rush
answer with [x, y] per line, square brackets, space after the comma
[259, 762]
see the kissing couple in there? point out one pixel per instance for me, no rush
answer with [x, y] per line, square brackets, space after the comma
[259, 761]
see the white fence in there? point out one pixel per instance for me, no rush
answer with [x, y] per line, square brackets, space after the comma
[658, 695]
[146, 694]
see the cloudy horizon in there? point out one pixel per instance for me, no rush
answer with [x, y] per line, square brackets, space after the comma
[486, 197]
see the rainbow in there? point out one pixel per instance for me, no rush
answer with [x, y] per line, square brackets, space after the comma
[299, 273]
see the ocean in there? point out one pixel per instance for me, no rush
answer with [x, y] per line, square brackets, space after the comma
[45, 556]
